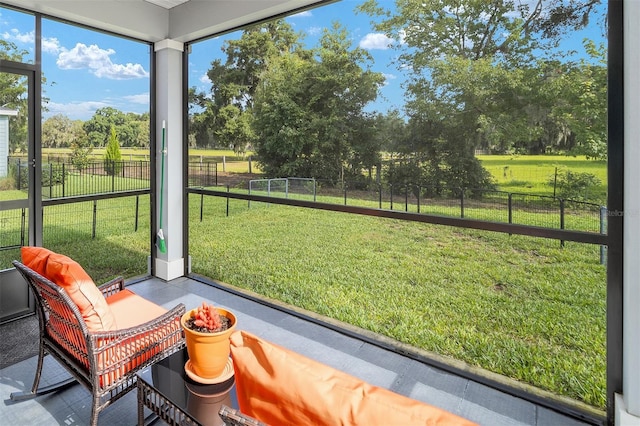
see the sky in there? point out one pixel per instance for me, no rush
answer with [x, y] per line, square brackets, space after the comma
[86, 70]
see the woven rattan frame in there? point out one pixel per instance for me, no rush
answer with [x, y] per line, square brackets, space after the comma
[64, 335]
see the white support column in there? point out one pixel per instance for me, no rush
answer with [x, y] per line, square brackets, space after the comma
[628, 404]
[168, 64]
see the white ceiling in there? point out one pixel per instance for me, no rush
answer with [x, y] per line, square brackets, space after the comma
[155, 20]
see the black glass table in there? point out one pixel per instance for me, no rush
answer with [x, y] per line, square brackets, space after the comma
[174, 397]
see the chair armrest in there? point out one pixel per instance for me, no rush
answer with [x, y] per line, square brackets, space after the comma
[116, 353]
[112, 287]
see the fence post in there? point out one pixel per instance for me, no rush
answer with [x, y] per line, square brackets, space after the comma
[63, 179]
[95, 219]
[406, 198]
[202, 206]
[19, 172]
[249, 164]
[50, 180]
[461, 203]
[227, 201]
[510, 207]
[344, 187]
[418, 197]
[603, 216]
[391, 196]
[380, 196]
[561, 219]
[315, 190]
[137, 211]
[23, 225]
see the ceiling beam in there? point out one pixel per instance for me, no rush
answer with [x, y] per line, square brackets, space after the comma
[143, 20]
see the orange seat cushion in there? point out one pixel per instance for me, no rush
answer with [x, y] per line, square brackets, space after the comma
[68, 274]
[278, 387]
[131, 310]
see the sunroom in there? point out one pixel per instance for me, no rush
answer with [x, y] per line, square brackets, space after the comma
[171, 32]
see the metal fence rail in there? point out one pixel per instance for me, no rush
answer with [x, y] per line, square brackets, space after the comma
[61, 179]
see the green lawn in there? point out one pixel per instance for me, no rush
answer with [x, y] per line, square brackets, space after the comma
[518, 306]
[531, 174]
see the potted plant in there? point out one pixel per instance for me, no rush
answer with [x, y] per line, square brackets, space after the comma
[207, 330]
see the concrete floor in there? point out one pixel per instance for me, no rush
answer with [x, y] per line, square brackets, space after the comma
[359, 358]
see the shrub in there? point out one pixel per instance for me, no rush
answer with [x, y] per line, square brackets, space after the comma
[7, 183]
[112, 155]
[574, 185]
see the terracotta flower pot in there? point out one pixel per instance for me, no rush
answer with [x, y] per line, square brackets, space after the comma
[208, 352]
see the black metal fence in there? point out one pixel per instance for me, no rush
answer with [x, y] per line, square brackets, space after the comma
[60, 179]
[202, 174]
[471, 203]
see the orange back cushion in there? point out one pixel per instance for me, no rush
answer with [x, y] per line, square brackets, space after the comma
[68, 274]
[278, 386]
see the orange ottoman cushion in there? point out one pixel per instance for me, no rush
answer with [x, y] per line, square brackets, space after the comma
[278, 386]
[68, 274]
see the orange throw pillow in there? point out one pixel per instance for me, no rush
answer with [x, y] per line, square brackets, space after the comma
[68, 274]
[279, 387]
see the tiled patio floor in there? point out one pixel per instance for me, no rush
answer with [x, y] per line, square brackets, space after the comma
[371, 363]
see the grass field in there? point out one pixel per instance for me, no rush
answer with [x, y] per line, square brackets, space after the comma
[518, 306]
[532, 174]
[138, 154]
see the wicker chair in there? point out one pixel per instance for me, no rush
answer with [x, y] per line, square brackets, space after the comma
[105, 362]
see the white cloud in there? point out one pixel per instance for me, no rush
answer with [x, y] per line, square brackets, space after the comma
[204, 78]
[141, 98]
[388, 77]
[314, 31]
[305, 14]
[377, 41]
[99, 63]
[77, 110]
[51, 45]
[27, 38]
[15, 35]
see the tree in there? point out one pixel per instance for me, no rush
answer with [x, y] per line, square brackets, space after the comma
[581, 103]
[308, 113]
[13, 91]
[112, 155]
[220, 119]
[56, 132]
[80, 148]
[99, 126]
[236, 132]
[476, 79]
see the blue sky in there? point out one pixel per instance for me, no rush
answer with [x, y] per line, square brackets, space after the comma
[87, 70]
